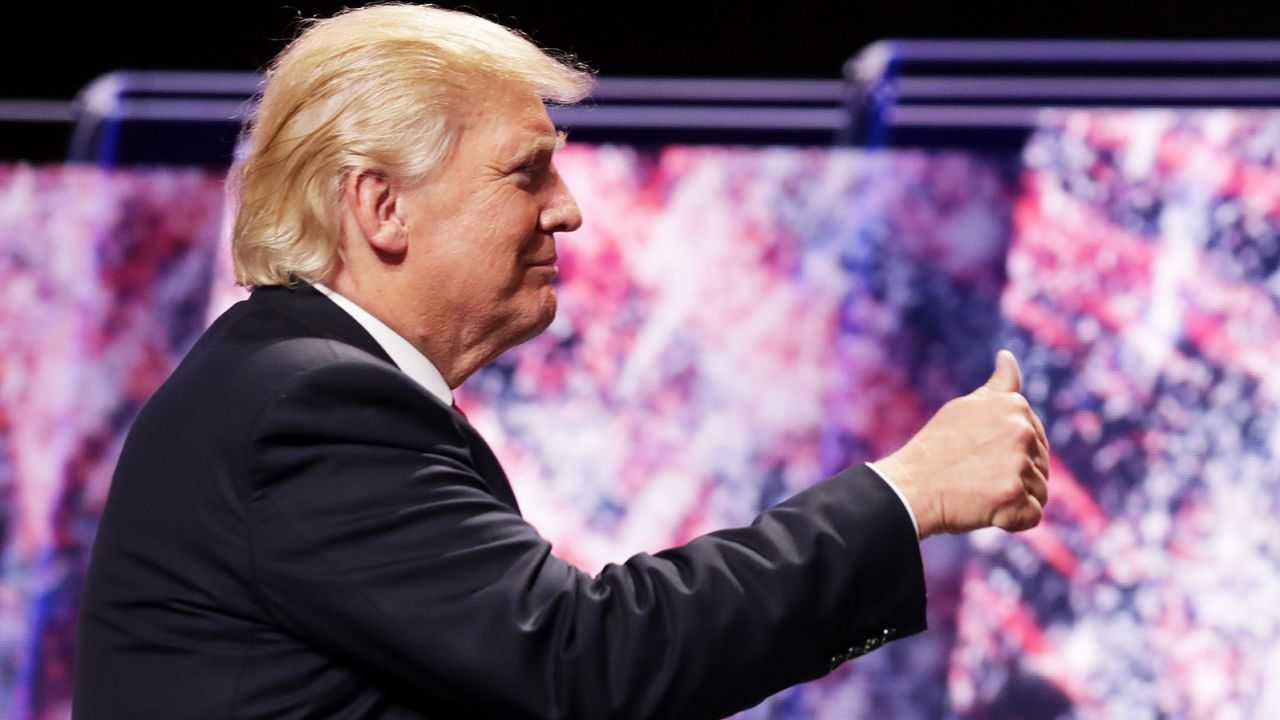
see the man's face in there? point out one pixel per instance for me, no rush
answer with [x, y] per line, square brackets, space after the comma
[482, 230]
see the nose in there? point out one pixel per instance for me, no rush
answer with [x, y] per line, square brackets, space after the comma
[561, 213]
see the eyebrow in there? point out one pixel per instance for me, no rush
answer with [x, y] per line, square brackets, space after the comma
[544, 144]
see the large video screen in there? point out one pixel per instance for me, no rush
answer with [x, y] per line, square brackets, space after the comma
[738, 323]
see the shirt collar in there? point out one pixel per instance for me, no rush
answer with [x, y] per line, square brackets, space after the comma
[404, 355]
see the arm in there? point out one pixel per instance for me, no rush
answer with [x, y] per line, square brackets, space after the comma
[376, 541]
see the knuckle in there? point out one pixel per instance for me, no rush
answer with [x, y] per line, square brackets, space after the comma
[1023, 432]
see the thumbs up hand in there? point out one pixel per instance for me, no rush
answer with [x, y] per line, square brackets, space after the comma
[1006, 377]
[982, 460]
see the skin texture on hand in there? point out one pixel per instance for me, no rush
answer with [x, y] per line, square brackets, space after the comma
[982, 460]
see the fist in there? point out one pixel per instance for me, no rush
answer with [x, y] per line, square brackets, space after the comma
[982, 460]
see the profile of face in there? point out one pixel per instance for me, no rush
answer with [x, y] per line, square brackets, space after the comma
[480, 232]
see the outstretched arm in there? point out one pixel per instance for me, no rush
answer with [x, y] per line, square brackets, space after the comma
[376, 541]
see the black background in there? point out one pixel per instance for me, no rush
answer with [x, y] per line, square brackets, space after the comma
[51, 50]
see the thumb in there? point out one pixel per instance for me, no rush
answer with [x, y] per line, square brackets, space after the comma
[1007, 377]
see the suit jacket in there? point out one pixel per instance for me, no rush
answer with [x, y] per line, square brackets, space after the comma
[296, 529]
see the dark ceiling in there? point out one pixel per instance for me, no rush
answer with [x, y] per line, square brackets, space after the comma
[51, 50]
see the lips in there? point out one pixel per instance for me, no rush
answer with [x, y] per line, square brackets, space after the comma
[548, 262]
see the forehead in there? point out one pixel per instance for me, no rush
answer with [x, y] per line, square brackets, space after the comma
[504, 117]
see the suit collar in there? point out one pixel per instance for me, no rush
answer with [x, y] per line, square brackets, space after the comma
[319, 314]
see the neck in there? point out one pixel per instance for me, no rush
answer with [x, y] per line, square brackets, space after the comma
[436, 331]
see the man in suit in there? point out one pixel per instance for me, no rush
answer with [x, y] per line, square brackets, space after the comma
[301, 526]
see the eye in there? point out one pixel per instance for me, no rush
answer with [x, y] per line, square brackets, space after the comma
[530, 172]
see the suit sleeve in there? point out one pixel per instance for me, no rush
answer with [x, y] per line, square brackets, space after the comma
[375, 540]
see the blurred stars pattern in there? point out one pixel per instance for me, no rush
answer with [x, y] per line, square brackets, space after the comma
[104, 276]
[736, 324]
[1142, 301]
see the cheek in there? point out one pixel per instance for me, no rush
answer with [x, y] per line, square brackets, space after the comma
[519, 218]
[494, 240]
[506, 227]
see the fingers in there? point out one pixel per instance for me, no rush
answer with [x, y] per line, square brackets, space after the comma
[1041, 460]
[1042, 465]
[1027, 510]
[1037, 449]
[1006, 377]
[1035, 482]
[1035, 420]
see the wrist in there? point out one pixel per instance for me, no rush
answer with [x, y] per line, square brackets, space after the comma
[899, 474]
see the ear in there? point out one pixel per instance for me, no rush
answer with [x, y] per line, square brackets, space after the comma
[371, 199]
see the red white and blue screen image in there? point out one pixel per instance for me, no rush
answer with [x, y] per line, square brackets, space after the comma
[738, 323]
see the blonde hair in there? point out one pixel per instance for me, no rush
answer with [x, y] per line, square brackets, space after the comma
[366, 89]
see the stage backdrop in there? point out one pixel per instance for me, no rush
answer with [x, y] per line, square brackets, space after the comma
[736, 324]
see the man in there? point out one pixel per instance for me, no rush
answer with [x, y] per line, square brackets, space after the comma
[301, 525]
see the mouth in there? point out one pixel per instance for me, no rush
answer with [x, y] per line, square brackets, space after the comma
[544, 270]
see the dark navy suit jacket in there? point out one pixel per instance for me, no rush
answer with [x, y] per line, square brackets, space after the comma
[296, 529]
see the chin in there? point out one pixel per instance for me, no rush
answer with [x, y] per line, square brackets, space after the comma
[548, 313]
[539, 317]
